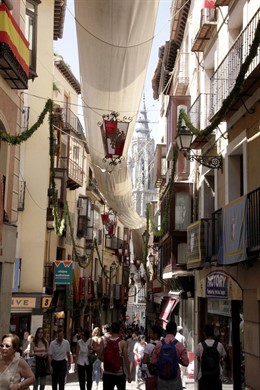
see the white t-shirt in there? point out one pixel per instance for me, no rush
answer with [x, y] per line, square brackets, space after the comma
[139, 349]
[83, 352]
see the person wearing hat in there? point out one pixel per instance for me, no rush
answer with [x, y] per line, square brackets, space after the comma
[181, 338]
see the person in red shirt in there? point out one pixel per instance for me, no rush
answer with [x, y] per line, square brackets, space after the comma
[171, 384]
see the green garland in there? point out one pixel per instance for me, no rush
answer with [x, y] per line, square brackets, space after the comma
[231, 98]
[59, 222]
[18, 139]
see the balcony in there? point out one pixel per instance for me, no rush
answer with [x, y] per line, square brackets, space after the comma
[115, 243]
[208, 25]
[179, 16]
[159, 165]
[70, 146]
[181, 80]
[199, 114]
[169, 58]
[224, 78]
[14, 51]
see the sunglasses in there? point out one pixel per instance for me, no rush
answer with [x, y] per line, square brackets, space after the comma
[5, 346]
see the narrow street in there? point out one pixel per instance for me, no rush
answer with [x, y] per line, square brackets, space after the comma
[73, 383]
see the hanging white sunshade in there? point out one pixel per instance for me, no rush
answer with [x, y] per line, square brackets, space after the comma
[114, 43]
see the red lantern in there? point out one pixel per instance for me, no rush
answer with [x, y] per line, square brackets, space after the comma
[114, 134]
[109, 221]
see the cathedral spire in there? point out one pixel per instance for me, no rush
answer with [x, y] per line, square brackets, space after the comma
[142, 123]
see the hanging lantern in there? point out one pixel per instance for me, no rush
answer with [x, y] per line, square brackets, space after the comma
[109, 221]
[114, 134]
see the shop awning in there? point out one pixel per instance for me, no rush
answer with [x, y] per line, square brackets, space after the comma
[169, 306]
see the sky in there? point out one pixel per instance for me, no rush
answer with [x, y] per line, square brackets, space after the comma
[67, 48]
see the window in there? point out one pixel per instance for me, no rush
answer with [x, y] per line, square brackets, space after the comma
[31, 33]
[182, 210]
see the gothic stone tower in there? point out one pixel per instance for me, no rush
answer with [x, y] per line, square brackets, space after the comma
[141, 163]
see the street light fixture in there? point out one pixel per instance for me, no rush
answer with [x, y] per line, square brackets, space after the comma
[184, 140]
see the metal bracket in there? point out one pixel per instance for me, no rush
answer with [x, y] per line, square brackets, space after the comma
[214, 162]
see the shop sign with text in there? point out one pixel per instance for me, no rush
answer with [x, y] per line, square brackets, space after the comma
[217, 285]
[23, 303]
[63, 272]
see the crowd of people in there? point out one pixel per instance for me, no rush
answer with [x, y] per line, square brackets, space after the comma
[114, 354]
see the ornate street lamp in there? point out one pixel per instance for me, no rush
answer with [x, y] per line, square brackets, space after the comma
[184, 139]
[114, 132]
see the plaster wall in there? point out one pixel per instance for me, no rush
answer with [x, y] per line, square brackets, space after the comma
[35, 159]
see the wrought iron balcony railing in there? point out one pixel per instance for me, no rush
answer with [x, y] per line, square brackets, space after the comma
[199, 111]
[224, 78]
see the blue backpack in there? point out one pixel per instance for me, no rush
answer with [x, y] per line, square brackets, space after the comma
[168, 362]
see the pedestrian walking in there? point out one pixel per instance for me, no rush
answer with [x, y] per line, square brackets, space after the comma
[168, 354]
[15, 373]
[75, 339]
[130, 346]
[113, 353]
[84, 366]
[210, 355]
[151, 371]
[96, 341]
[39, 353]
[59, 360]
[139, 353]
[181, 338]
[28, 339]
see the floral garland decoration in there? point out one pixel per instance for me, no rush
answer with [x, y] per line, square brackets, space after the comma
[231, 98]
[59, 222]
[165, 217]
[18, 139]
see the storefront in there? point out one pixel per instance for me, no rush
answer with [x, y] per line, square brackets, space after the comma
[220, 304]
[27, 312]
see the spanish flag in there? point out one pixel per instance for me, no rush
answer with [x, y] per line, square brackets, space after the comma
[11, 34]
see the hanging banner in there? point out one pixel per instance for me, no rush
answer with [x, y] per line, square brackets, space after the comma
[196, 244]
[234, 232]
[63, 272]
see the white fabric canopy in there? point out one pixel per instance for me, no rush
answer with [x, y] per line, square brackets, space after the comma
[114, 43]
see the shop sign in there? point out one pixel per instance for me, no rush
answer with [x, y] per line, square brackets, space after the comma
[219, 306]
[63, 272]
[23, 303]
[217, 285]
[46, 302]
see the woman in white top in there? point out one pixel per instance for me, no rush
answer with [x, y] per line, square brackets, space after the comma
[139, 353]
[96, 340]
[84, 367]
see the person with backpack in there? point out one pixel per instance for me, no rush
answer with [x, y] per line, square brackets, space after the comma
[113, 352]
[210, 354]
[151, 371]
[168, 354]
